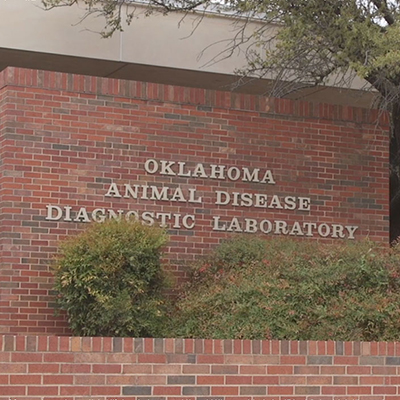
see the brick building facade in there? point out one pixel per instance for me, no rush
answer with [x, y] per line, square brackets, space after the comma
[207, 164]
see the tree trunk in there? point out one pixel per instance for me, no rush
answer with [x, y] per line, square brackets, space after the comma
[395, 173]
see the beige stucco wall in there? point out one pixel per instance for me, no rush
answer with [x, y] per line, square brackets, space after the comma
[164, 49]
[168, 41]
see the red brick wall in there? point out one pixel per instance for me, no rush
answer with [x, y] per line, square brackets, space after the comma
[46, 368]
[65, 139]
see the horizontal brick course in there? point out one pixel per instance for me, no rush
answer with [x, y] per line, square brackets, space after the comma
[25, 379]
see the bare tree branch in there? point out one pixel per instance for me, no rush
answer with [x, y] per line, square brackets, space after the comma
[382, 6]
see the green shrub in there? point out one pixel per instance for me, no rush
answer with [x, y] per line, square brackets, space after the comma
[108, 280]
[281, 289]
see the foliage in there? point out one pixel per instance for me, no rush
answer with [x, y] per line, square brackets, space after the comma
[109, 278]
[293, 290]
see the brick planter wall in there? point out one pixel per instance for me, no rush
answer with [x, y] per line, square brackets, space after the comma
[47, 368]
[65, 140]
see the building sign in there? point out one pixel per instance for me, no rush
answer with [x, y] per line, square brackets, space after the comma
[222, 199]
